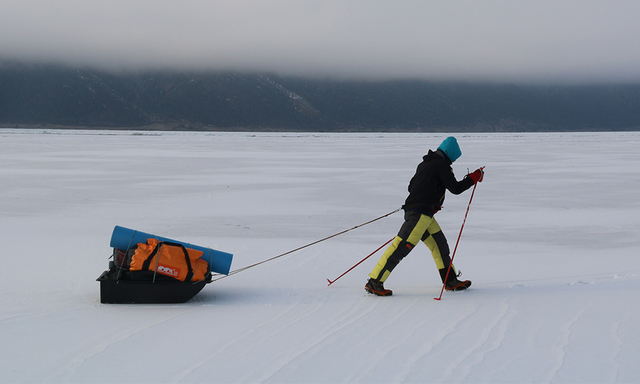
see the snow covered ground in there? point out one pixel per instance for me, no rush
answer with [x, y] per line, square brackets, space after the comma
[551, 244]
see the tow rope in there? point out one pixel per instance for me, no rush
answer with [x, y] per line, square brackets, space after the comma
[304, 246]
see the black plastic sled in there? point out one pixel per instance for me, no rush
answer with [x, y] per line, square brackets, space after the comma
[170, 279]
[145, 287]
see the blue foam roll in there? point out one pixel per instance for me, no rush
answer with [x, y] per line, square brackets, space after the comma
[125, 238]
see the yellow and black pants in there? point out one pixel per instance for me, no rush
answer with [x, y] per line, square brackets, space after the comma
[416, 227]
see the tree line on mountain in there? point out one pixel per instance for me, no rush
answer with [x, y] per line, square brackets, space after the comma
[55, 96]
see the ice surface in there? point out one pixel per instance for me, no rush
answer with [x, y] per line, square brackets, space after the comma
[551, 244]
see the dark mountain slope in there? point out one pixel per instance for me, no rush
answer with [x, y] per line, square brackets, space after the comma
[39, 95]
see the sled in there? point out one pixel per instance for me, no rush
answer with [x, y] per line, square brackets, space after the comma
[162, 282]
[114, 290]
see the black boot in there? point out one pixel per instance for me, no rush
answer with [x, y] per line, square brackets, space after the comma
[457, 285]
[377, 288]
[453, 284]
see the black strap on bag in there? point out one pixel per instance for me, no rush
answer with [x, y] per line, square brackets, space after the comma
[147, 262]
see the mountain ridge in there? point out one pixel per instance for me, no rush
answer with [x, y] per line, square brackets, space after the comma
[55, 96]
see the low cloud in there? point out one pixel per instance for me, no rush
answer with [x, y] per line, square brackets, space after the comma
[511, 41]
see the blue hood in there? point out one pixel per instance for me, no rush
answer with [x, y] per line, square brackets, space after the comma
[451, 148]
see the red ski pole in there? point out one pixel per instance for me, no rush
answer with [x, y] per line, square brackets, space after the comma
[360, 262]
[457, 241]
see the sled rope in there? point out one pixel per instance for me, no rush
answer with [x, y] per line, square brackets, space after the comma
[304, 246]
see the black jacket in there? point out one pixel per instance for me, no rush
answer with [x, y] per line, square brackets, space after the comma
[427, 187]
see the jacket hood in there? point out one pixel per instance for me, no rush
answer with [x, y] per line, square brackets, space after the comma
[451, 148]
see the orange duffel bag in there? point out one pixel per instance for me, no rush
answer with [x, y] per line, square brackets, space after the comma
[169, 259]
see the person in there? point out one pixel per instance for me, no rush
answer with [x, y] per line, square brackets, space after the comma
[426, 195]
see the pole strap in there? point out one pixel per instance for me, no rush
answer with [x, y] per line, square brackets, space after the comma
[305, 246]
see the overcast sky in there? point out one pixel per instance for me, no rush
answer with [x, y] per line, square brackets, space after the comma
[512, 41]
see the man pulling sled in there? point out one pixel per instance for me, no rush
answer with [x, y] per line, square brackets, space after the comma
[426, 195]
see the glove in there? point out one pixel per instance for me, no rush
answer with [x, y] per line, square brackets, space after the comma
[477, 175]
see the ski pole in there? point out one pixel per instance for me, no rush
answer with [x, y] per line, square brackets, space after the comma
[456, 247]
[360, 262]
